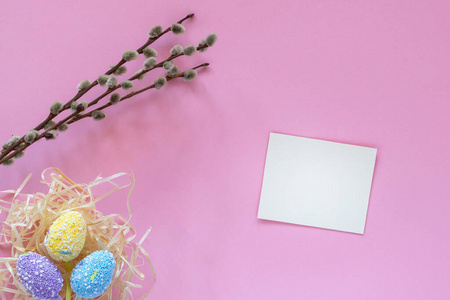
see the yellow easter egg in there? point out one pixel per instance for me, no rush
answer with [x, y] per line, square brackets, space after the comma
[65, 238]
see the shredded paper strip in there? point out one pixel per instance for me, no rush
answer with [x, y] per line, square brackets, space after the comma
[30, 215]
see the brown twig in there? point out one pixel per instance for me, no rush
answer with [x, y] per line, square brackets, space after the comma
[134, 93]
[16, 148]
[75, 116]
[134, 77]
[67, 105]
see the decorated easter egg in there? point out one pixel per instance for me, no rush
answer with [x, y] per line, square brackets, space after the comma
[39, 276]
[65, 238]
[93, 274]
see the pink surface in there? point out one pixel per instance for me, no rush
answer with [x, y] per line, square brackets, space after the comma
[370, 73]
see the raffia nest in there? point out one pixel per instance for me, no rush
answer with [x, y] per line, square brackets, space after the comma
[29, 216]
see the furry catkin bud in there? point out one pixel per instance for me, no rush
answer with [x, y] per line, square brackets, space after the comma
[112, 81]
[150, 52]
[127, 84]
[11, 142]
[31, 136]
[177, 28]
[120, 70]
[63, 127]
[168, 65]
[56, 107]
[51, 135]
[160, 82]
[82, 106]
[102, 79]
[83, 85]
[98, 115]
[8, 162]
[201, 44]
[141, 76]
[156, 31]
[49, 125]
[211, 39]
[14, 139]
[189, 50]
[19, 155]
[177, 49]
[129, 55]
[172, 72]
[149, 63]
[190, 75]
[73, 106]
[115, 98]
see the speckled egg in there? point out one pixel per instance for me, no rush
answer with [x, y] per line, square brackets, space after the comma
[93, 274]
[39, 276]
[65, 238]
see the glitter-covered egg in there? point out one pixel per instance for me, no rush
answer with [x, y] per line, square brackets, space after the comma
[93, 274]
[65, 238]
[39, 276]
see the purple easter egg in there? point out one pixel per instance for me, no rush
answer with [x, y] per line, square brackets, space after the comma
[39, 275]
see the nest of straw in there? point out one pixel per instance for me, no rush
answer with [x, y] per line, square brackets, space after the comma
[29, 216]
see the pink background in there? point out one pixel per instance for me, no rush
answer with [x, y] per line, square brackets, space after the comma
[370, 73]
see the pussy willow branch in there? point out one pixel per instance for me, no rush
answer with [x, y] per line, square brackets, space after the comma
[132, 94]
[66, 106]
[134, 77]
[122, 61]
[74, 117]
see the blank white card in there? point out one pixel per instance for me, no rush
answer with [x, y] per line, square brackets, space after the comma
[317, 183]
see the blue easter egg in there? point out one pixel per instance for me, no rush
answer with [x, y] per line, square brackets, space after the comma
[93, 274]
[39, 275]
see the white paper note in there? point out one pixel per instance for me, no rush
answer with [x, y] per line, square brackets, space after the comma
[317, 183]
